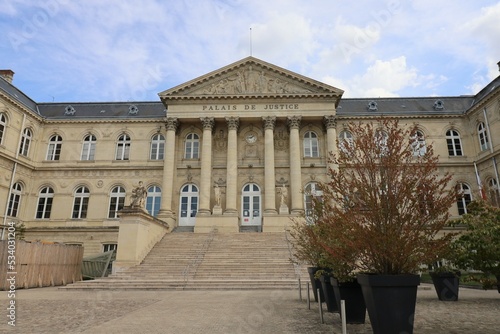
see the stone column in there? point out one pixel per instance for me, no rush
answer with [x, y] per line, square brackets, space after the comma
[168, 169]
[269, 172]
[295, 165]
[206, 166]
[331, 137]
[232, 166]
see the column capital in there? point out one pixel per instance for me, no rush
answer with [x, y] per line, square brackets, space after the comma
[293, 121]
[269, 122]
[207, 122]
[232, 122]
[330, 121]
[171, 123]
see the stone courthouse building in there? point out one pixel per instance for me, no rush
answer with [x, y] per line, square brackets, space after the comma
[240, 148]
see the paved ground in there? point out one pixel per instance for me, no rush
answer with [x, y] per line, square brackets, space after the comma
[49, 310]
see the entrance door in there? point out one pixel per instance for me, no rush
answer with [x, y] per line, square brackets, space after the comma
[188, 206]
[250, 202]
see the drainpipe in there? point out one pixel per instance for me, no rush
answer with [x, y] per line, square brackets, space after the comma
[12, 177]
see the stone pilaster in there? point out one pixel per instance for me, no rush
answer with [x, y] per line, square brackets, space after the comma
[206, 165]
[295, 165]
[232, 165]
[269, 172]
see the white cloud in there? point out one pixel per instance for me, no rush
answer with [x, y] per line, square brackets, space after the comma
[382, 79]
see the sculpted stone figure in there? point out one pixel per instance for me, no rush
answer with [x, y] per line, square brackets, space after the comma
[139, 195]
[283, 194]
[217, 195]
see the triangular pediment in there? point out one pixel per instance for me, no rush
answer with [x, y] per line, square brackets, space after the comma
[247, 78]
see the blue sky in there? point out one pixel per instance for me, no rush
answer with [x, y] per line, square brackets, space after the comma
[124, 50]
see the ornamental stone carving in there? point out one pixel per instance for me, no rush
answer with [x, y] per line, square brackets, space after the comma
[171, 124]
[269, 122]
[294, 122]
[330, 121]
[232, 123]
[207, 122]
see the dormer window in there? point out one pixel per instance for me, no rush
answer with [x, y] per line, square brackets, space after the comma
[438, 105]
[133, 110]
[372, 106]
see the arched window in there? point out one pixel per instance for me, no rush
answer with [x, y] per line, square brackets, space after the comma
[454, 143]
[417, 142]
[81, 202]
[54, 149]
[3, 126]
[116, 201]
[311, 191]
[192, 146]
[484, 141]
[311, 145]
[157, 147]
[25, 142]
[153, 200]
[381, 138]
[45, 198]
[123, 147]
[15, 200]
[464, 199]
[88, 147]
[345, 140]
[493, 192]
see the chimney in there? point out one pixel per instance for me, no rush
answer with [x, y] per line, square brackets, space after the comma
[8, 75]
[498, 65]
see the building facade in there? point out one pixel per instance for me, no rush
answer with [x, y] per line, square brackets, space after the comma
[242, 147]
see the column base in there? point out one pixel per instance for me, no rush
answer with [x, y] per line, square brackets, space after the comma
[203, 212]
[231, 212]
[270, 212]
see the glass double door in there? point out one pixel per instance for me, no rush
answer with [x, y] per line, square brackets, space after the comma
[251, 213]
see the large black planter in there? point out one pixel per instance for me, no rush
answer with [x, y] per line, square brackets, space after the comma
[446, 285]
[351, 293]
[331, 301]
[390, 301]
[315, 283]
[498, 282]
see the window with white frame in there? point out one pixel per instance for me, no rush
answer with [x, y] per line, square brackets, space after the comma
[80, 202]
[483, 137]
[192, 146]
[311, 191]
[116, 201]
[157, 147]
[88, 147]
[109, 247]
[454, 143]
[54, 148]
[15, 200]
[123, 147]
[3, 126]
[25, 142]
[345, 140]
[464, 199]
[311, 145]
[153, 200]
[417, 142]
[45, 198]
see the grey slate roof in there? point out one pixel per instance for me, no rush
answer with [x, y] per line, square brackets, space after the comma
[407, 106]
[102, 110]
[16, 94]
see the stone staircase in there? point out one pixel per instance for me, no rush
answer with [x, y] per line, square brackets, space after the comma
[202, 261]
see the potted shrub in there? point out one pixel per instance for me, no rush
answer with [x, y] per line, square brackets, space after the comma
[306, 251]
[446, 281]
[386, 191]
[478, 247]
